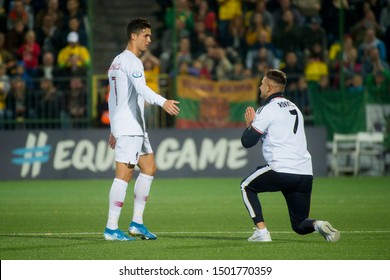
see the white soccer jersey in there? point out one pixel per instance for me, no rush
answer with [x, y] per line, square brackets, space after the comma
[284, 141]
[128, 92]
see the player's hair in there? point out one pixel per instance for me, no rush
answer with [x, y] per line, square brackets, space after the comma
[277, 76]
[137, 25]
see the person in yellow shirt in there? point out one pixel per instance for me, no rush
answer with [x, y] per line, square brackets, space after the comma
[227, 10]
[73, 51]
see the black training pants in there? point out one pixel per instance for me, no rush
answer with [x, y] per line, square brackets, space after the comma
[295, 188]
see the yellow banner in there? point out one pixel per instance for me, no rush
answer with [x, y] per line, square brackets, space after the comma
[233, 91]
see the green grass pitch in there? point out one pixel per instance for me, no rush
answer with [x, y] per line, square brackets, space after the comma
[195, 219]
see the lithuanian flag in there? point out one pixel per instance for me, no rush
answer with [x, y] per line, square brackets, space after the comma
[214, 104]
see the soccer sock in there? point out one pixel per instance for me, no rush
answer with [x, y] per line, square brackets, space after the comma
[141, 192]
[116, 199]
[317, 225]
[262, 231]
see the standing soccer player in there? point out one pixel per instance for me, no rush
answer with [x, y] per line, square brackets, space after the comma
[279, 125]
[128, 93]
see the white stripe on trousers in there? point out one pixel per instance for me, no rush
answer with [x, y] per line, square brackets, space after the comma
[245, 183]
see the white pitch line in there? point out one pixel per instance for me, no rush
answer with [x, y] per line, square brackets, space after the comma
[174, 232]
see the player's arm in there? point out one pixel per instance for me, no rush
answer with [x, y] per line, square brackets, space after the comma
[251, 136]
[151, 97]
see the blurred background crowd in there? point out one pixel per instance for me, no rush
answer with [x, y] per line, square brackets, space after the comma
[45, 56]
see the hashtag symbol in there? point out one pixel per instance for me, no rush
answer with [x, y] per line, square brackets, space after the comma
[33, 154]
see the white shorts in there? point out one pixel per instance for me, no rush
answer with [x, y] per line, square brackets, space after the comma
[128, 148]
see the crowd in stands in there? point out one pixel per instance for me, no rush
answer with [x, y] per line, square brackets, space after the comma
[233, 39]
[44, 56]
[44, 61]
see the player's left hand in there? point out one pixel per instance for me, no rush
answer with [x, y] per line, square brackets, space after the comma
[111, 141]
[249, 115]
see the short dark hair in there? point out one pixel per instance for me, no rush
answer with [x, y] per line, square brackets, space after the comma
[137, 25]
[277, 76]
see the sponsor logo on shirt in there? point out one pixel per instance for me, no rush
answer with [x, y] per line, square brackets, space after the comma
[137, 74]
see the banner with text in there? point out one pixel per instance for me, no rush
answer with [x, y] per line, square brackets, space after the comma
[84, 154]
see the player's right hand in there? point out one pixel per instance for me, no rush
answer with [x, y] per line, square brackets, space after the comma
[111, 141]
[171, 108]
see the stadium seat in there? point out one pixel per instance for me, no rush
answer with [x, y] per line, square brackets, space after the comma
[369, 145]
[343, 153]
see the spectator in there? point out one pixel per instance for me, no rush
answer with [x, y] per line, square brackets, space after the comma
[371, 40]
[76, 102]
[29, 52]
[294, 70]
[73, 9]
[17, 13]
[207, 16]
[198, 69]
[52, 9]
[348, 58]
[197, 42]
[152, 70]
[336, 53]
[184, 52]
[296, 87]
[316, 67]
[256, 29]
[378, 87]
[253, 52]
[16, 101]
[5, 83]
[227, 10]
[16, 37]
[184, 23]
[313, 34]
[48, 69]
[73, 54]
[6, 57]
[20, 71]
[261, 8]
[286, 5]
[223, 66]
[49, 36]
[236, 36]
[240, 72]
[287, 35]
[4, 89]
[184, 17]
[50, 105]
[373, 63]
[73, 25]
[263, 56]
[373, 5]
[368, 22]
[216, 62]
